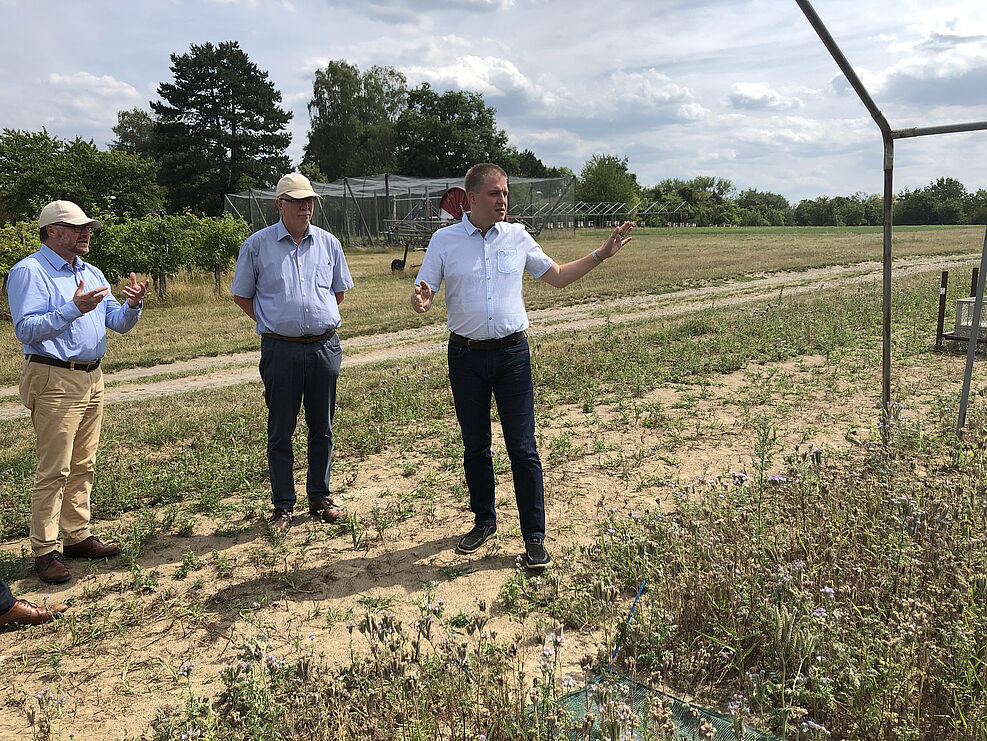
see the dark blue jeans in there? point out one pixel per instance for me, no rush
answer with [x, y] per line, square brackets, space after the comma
[6, 598]
[293, 371]
[474, 375]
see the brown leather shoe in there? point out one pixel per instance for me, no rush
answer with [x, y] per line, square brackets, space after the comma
[91, 547]
[326, 509]
[281, 519]
[25, 613]
[51, 568]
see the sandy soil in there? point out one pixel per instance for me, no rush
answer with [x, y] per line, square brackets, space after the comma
[115, 656]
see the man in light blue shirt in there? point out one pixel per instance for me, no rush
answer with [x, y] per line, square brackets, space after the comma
[290, 279]
[61, 307]
[482, 260]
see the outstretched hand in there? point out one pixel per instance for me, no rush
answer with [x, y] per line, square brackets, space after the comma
[135, 291]
[618, 238]
[85, 300]
[421, 299]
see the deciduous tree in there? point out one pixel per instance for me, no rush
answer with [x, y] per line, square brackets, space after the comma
[134, 133]
[352, 119]
[444, 135]
[941, 202]
[605, 178]
[757, 208]
[36, 168]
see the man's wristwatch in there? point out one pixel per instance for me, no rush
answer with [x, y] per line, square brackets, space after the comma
[596, 256]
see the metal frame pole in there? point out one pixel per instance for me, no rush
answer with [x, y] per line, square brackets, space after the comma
[971, 344]
[259, 209]
[359, 211]
[888, 135]
[886, 296]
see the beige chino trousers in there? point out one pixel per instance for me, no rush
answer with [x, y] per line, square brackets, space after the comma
[67, 411]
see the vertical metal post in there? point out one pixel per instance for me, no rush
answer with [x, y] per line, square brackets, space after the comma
[971, 344]
[346, 221]
[259, 209]
[325, 219]
[973, 282]
[943, 284]
[388, 209]
[886, 301]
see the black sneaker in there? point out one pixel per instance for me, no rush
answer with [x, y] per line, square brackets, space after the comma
[535, 555]
[475, 538]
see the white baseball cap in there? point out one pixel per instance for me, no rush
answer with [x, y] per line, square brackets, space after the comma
[295, 185]
[65, 212]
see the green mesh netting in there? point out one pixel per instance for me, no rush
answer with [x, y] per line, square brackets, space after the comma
[608, 691]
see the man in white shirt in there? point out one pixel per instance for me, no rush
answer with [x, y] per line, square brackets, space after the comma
[482, 260]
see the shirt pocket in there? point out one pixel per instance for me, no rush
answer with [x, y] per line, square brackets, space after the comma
[323, 277]
[509, 261]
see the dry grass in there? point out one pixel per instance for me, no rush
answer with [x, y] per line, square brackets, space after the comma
[195, 323]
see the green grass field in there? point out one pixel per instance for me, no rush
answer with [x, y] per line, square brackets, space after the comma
[798, 573]
[193, 323]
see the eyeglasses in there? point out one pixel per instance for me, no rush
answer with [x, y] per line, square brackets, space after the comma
[74, 227]
[300, 201]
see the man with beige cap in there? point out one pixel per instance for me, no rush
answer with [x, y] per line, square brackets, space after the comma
[61, 307]
[290, 279]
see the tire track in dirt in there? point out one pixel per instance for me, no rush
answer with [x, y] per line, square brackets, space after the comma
[228, 370]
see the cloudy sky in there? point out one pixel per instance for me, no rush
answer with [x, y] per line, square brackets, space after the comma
[738, 89]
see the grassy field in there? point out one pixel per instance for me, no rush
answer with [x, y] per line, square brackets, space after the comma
[801, 577]
[192, 323]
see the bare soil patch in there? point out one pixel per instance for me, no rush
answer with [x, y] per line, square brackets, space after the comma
[116, 655]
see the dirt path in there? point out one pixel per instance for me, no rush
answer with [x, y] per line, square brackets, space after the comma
[228, 370]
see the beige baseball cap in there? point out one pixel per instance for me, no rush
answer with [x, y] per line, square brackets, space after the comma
[295, 185]
[65, 212]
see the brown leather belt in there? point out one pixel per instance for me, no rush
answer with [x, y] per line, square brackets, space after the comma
[304, 340]
[501, 344]
[70, 364]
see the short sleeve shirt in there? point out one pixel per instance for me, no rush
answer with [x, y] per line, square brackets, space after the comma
[293, 286]
[483, 275]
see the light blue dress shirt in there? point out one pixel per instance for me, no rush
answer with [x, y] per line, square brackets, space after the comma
[46, 320]
[483, 276]
[293, 286]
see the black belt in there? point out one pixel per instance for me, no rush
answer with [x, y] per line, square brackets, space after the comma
[70, 364]
[304, 340]
[503, 343]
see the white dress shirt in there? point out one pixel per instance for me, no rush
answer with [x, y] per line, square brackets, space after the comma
[483, 276]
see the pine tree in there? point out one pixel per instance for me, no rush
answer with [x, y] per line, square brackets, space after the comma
[219, 128]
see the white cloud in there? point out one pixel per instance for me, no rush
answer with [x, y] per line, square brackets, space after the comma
[92, 99]
[486, 75]
[758, 96]
[83, 83]
[411, 11]
[648, 89]
[801, 134]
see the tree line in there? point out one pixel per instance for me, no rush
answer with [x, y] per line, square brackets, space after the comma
[158, 245]
[218, 127]
[712, 201]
